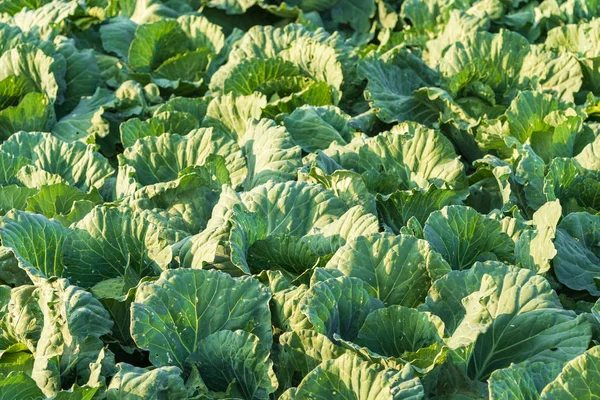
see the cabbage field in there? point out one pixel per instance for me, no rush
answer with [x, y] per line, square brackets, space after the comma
[300, 199]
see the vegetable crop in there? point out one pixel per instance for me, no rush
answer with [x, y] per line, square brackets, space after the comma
[300, 199]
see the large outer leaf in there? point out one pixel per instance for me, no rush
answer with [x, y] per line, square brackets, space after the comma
[577, 263]
[82, 76]
[117, 35]
[338, 306]
[509, 290]
[392, 80]
[173, 314]
[234, 111]
[168, 121]
[318, 61]
[155, 43]
[138, 383]
[40, 70]
[506, 314]
[464, 236]
[33, 113]
[396, 269]
[351, 378]
[398, 208]
[271, 220]
[13, 196]
[78, 164]
[505, 62]
[20, 334]
[202, 33]
[270, 153]
[268, 41]
[70, 340]
[559, 74]
[11, 35]
[356, 13]
[579, 379]
[408, 156]
[540, 335]
[579, 40]
[113, 242]
[232, 6]
[550, 125]
[303, 351]
[522, 381]
[62, 202]
[353, 223]
[228, 235]
[315, 128]
[184, 71]
[37, 242]
[42, 16]
[257, 75]
[347, 185]
[185, 203]
[237, 358]
[294, 208]
[162, 158]
[10, 167]
[17, 385]
[534, 248]
[86, 118]
[395, 330]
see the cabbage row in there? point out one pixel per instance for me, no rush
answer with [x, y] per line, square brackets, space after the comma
[300, 199]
